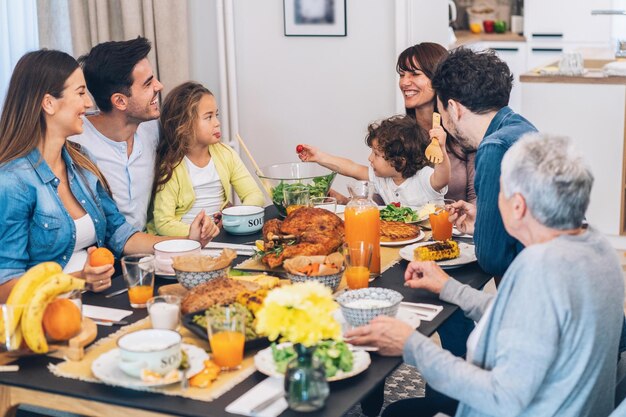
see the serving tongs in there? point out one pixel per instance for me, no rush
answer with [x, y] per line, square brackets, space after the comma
[433, 151]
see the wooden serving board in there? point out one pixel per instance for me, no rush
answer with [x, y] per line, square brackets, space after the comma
[75, 348]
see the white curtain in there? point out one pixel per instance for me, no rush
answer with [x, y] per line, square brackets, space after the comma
[90, 22]
[18, 35]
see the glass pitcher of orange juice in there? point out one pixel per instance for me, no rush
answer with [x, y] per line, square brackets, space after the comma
[362, 220]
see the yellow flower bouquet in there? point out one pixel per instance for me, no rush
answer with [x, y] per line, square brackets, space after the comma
[299, 313]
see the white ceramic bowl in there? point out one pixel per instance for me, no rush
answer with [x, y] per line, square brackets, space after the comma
[243, 220]
[156, 350]
[164, 252]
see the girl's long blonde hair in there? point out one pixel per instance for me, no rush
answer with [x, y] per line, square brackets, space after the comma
[23, 123]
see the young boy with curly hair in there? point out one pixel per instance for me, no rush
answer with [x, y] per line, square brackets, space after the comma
[398, 168]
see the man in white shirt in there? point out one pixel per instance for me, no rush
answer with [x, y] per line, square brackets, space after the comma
[123, 137]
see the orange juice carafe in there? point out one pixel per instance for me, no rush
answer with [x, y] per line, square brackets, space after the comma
[362, 220]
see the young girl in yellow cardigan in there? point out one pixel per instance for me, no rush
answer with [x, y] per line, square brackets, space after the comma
[194, 170]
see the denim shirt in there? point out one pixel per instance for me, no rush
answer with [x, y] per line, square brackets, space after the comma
[495, 248]
[36, 226]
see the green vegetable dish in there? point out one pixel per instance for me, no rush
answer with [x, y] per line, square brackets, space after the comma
[336, 356]
[201, 319]
[317, 188]
[393, 213]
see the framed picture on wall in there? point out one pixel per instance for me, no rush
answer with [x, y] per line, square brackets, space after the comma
[315, 17]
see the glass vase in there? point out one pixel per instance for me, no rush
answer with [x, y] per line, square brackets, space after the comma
[305, 381]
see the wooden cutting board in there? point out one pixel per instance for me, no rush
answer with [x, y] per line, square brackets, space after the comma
[173, 289]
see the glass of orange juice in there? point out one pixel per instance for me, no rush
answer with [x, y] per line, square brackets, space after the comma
[441, 226]
[358, 256]
[295, 196]
[227, 335]
[138, 272]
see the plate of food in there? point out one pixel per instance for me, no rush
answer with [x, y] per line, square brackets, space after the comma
[306, 231]
[340, 359]
[399, 233]
[105, 368]
[448, 254]
[246, 301]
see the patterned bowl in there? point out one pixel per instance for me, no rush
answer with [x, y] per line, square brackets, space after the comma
[191, 279]
[359, 307]
[331, 281]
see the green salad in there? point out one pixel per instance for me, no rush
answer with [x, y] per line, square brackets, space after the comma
[336, 356]
[393, 213]
[318, 188]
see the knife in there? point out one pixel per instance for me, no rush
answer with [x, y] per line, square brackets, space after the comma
[419, 306]
[265, 404]
[118, 292]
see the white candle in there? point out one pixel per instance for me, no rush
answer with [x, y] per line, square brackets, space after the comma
[164, 315]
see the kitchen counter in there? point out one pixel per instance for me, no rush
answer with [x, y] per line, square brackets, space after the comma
[593, 75]
[465, 37]
[591, 110]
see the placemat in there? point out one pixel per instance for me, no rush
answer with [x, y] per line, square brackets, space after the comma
[82, 369]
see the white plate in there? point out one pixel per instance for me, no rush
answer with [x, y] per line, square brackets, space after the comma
[468, 255]
[105, 368]
[264, 362]
[404, 242]
[171, 275]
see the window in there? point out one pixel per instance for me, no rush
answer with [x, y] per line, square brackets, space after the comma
[18, 35]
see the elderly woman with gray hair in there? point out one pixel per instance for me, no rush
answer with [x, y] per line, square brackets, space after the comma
[546, 344]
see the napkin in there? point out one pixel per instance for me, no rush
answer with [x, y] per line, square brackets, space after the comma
[245, 250]
[105, 313]
[425, 312]
[256, 395]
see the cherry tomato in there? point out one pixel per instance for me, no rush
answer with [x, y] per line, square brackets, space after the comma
[299, 149]
[395, 203]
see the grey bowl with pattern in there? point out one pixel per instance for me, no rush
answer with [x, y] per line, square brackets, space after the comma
[192, 279]
[331, 281]
[362, 315]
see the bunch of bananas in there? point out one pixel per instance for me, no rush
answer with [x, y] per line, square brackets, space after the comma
[31, 295]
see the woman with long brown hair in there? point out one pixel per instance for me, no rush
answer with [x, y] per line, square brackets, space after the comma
[53, 198]
[416, 66]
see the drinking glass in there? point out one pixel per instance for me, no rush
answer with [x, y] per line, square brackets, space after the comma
[226, 328]
[9, 322]
[358, 256]
[441, 226]
[138, 272]
[571, 63]
[164, 311]
[326, 203]
[295, 196]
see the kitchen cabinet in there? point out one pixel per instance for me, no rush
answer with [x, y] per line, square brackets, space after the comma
[566, 21]
[591, 110]
[514, 54]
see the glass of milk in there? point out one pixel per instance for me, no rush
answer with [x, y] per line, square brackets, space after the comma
[164, 311]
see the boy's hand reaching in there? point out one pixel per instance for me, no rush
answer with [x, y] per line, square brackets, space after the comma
[440, 135]
[308, 153]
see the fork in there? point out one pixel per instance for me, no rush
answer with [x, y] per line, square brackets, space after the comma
[433, 151]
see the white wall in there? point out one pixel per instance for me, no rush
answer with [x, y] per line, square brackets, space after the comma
[317, 90]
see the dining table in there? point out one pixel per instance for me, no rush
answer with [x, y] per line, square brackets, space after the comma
[35, 384]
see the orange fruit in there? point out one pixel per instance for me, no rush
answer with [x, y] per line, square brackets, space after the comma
[62, 319]
[100, 257]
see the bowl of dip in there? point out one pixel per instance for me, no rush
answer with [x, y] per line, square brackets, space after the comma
[359, 307]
